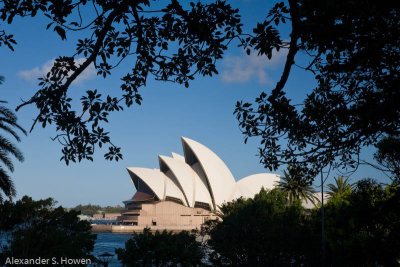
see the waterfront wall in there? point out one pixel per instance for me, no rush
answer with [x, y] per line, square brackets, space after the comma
[164, 213]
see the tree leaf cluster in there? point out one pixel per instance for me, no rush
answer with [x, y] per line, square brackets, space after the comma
[388, 156]
[174, 43]
[354, 55]
[39, 229]
[7, 39]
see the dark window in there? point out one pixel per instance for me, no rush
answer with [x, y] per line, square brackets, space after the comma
[173, 199]
[202, 205]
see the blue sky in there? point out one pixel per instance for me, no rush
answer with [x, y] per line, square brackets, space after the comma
[203, 112]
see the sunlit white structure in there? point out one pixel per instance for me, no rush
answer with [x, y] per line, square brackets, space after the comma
[186, 187]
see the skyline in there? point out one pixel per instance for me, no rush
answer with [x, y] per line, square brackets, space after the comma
[202, 112]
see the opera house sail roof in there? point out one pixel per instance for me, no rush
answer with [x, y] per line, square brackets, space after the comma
[199, 178]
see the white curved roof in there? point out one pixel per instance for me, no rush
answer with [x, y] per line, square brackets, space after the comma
[172, 189]
[251, 185]
[152, 178]
[193, 187]
[161, 185]
[184, 179]
[240, 191]
[307, 204]
[199, 176]
[177, 156]
[219, 177]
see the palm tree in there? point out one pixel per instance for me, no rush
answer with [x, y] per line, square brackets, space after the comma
[296, 187]
[342, 185]
[8, 122]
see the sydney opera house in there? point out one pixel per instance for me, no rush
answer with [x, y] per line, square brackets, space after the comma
[187, 190]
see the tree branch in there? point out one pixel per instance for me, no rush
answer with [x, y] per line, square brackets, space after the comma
[90, 59]
[292, 50]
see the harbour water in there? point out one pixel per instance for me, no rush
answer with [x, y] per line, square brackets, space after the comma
[107, 243]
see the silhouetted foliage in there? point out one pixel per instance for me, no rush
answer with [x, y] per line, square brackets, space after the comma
[8, 125]
[166, 41]
[264, 231]
[363, 226]
[161, 249]
[354, 56]
[38, 229]
[362, 229]
[388, 156]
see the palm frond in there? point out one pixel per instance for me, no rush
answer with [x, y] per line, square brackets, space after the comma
[12, 122]
[6, 183]
[341, 185]
[294, 184]
[6, 160]
[7, 113]
[9, 147]
[10, 131]
[8, 123]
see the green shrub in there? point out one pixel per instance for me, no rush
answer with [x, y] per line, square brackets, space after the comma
[161, 249]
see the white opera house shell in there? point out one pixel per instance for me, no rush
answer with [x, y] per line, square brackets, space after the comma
[188, 189]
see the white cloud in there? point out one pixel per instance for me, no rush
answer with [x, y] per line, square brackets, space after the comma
[241, 69]
[39, 71]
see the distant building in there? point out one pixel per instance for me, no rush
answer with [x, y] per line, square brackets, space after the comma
[111, 216]
[98, 216]
[187, 190]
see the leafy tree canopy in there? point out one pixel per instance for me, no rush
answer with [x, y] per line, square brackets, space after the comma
[161, 249]
[354, 56]
[264, 231]
[365, 222]
[38, 229]
[173, 43]
[388, 156]
[362, 229]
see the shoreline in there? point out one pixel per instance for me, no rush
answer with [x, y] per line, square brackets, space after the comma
[129, 229]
